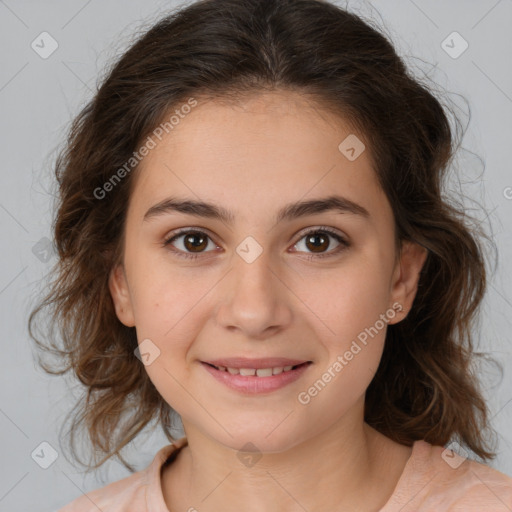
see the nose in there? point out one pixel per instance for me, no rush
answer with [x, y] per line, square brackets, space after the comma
[254, 298]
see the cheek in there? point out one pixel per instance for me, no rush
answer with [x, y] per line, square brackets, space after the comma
[165, 302]
[163, 316]
[165, 320]
[343, 377]
[346, 300]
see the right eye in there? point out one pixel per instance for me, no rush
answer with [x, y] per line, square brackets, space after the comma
[192, 240]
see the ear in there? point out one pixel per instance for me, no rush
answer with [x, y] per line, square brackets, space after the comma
[120, 293]
[405, 278]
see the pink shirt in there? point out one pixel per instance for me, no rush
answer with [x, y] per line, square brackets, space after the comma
[429, 483]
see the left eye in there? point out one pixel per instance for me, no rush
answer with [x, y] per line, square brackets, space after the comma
[195, 242]
[318, 241]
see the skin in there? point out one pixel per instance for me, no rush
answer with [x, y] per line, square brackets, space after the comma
[269, 150]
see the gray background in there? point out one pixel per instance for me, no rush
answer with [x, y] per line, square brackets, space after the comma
[38, 98]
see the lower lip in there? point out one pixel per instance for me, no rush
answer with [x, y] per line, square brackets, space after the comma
[252, 384]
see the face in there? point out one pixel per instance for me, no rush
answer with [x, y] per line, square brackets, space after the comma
[316, 284]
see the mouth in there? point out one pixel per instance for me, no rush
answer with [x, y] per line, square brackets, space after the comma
[262, 371]
[256, 376]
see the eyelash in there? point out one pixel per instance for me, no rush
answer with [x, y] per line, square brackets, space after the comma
[322, 229]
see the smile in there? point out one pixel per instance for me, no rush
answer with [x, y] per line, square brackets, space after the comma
[259, 372]
[257, 380]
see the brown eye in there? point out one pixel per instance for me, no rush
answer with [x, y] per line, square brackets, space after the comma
[318, 241]
[195, 241]
[189, 243]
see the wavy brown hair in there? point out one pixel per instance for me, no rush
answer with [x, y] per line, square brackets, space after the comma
[425, 386]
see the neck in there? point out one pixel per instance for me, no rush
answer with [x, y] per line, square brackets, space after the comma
[347, 467]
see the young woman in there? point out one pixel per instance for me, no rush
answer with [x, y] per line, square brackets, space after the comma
[254, 235]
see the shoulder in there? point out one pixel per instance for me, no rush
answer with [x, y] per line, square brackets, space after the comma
[439, 479]
[114, 497]
[130, 493]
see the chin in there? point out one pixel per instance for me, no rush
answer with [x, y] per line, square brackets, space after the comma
[258, 440]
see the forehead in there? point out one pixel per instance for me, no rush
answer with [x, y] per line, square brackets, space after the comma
[269, 149]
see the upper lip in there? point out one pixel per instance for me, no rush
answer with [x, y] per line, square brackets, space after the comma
[243, 362]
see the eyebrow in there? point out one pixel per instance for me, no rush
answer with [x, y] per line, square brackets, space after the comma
[287, 213]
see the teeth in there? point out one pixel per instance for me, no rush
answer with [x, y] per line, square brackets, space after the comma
[264, 372]
[260, 372]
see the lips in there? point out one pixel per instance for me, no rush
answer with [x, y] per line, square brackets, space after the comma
[249, 380]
